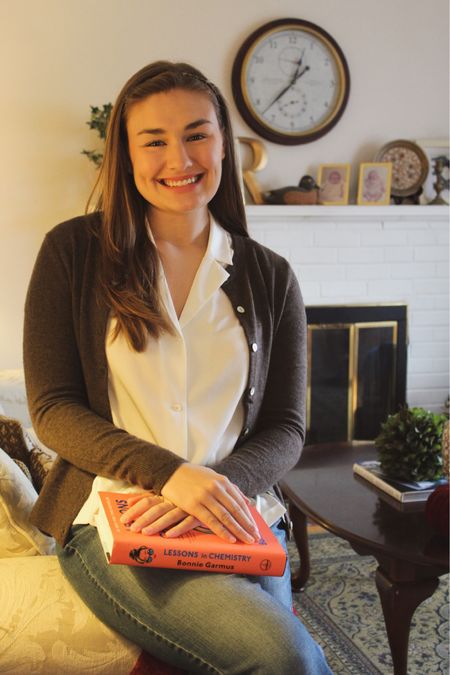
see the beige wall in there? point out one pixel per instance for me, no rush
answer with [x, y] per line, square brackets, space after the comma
[59, 56]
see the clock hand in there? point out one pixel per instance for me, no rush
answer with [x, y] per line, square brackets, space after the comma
[277, 98]
[296, 77]
[299, 63]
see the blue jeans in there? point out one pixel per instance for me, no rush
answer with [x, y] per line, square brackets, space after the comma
[278, 587]
[202, 622]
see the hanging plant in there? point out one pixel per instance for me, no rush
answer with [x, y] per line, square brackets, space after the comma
[99, 122]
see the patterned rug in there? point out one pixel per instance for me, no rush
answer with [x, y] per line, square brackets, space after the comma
[341, 609]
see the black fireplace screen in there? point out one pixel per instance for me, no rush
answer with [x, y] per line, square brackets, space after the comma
[356, 370]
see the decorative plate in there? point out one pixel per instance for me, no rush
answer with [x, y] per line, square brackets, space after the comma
[410, 166]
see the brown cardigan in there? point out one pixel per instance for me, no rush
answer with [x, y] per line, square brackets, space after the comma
[67, 376]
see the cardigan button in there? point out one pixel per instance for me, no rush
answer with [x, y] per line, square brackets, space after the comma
[254, 347]
[240, 309]
[251, 391]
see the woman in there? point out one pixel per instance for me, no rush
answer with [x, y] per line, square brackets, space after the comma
[164, 352]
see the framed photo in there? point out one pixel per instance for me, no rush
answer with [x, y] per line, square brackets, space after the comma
[438, 147]
[374, 185]
[334, 180]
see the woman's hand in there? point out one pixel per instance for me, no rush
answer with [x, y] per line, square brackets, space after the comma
[150, 514]
[212, 500]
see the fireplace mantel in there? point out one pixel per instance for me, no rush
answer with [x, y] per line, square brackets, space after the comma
[373, 255]
[352, 213]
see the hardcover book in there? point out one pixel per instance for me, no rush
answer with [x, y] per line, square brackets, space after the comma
[197, 550]
[403, 491]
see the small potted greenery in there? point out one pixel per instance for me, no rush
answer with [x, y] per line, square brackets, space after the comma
[410, 445]
[99, 122]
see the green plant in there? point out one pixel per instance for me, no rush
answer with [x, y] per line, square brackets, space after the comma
[99, 122]
[410, 445]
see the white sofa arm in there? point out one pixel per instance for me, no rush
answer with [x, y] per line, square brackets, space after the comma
[47, 629]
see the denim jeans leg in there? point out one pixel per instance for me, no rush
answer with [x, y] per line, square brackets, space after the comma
[202, 622]
[279, 587]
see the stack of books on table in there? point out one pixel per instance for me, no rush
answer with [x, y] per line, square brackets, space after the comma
[403, 491]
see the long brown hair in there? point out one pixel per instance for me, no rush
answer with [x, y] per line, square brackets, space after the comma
[129, 262]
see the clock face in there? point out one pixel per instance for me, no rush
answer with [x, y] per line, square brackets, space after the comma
[290, 81]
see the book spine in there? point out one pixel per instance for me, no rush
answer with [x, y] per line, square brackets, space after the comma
[417, 496]
[378, 482]
[161, 554]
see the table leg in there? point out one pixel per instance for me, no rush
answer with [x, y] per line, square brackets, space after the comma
[299, 527]
[399, 601]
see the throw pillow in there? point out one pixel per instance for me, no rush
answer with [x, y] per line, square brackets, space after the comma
[18, 537]
[45, 455]
[18, 444]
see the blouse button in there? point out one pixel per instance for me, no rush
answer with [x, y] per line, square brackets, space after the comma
[240, 309]
[177, 407]
[254, 347]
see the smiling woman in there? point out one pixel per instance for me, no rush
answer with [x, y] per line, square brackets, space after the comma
[123, 206]
[175, 369]
[176, 156]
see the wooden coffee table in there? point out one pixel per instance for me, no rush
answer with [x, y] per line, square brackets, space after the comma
[410, 557]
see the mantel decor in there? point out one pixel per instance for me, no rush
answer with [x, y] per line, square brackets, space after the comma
[435, 148]
[410, 168]
[374, 184]
[440, 164]
[334, 182]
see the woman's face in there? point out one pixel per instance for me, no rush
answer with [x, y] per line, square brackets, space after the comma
[176, 150]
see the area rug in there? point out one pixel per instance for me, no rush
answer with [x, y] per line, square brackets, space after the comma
[341, 609]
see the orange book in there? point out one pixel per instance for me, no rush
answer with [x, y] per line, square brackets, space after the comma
[199, 550]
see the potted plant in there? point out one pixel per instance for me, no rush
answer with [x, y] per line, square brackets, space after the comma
[410, 445]
[99, 122]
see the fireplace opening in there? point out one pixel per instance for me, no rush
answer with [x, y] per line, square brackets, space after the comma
[356, 370]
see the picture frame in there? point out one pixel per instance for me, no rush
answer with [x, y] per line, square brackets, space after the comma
[434, 147]
[374, 184]
[334, 181]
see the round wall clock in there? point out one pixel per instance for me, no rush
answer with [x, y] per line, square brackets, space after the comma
[410, 166]
[290, 81]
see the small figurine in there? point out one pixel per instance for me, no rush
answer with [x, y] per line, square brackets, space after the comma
[441, 183]
[306, 193]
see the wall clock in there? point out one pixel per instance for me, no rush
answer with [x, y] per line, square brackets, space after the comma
[410, 166]
[290, 81]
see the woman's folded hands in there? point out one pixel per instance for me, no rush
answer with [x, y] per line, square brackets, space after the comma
[193, 495]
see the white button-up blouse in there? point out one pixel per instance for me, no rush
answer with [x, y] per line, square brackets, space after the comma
[184, 391]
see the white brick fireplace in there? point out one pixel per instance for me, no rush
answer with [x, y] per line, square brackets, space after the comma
[374, 255]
